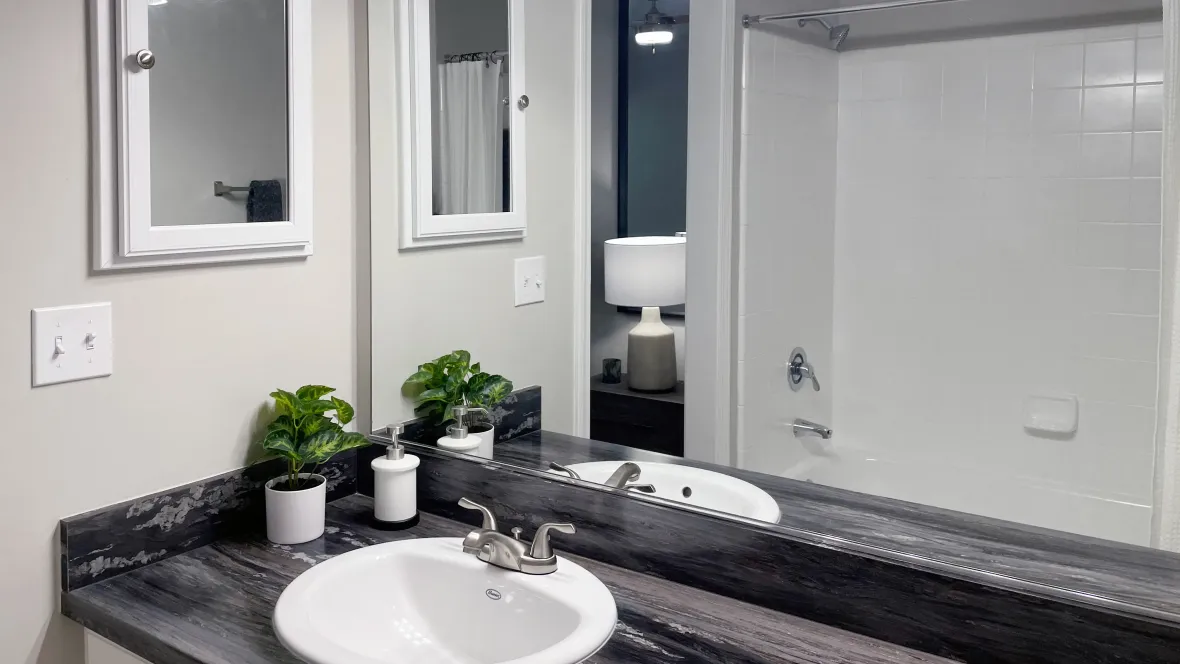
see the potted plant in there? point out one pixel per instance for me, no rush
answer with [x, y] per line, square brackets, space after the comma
[452, 380]
[305, 435]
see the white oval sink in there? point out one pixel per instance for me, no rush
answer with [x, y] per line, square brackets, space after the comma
[694, 486]
[424, 601]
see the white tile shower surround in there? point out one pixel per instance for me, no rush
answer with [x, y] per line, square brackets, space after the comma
[996, 236]
[788, 211]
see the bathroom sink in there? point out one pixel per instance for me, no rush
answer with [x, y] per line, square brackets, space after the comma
[694, 486]
[424, 601]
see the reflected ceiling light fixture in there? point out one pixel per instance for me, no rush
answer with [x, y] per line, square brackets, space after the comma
[656, 28]
[157, 3]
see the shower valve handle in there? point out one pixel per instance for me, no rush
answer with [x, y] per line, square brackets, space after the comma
[807, 371]
[799, 368]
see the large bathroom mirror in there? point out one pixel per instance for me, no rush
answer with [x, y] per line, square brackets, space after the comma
[462, 115]
[202, 114]
[945, 280]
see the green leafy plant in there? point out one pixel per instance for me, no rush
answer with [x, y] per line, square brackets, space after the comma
[452, 380]
[303, 433]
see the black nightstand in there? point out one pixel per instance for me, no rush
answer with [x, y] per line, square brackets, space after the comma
[653, 422]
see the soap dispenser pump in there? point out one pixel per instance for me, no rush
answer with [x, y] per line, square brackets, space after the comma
[460, 439]
[395, 485]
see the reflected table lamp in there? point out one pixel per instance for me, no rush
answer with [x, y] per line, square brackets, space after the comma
[647, 272]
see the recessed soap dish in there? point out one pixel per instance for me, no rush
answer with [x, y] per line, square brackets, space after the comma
[1057, 415]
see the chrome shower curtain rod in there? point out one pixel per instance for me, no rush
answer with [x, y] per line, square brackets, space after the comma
[476, 55]
[748, 20]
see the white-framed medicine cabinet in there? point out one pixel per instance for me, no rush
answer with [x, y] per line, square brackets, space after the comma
[202, 131]
[448, 111]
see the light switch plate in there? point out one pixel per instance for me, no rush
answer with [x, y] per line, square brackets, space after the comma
[530, 280]
[72, 343]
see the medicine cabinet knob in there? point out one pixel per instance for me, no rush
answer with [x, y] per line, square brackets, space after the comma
[523, 103]
[145, 59]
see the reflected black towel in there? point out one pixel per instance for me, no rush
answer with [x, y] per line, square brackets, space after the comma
[265, 201]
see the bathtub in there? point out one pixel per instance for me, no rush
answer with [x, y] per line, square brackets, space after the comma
[976, 491]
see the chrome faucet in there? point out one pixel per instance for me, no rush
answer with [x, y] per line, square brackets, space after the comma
[625, 476]
[804, 427]
[512, 553]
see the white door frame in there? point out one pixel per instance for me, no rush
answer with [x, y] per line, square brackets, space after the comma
[709, 396]
[581, 235]
[1166, 515]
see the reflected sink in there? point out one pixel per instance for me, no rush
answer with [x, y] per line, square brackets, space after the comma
[694, 486]
[424, 601]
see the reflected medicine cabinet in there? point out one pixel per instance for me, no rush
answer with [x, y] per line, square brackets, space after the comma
[451, 75]
[202, 131]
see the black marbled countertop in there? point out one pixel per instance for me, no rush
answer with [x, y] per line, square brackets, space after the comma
[1132, 579]
[213, 605]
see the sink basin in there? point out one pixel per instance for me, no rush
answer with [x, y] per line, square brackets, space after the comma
[424, 601]
[694, 486]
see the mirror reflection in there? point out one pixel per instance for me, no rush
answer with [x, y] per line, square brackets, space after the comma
[923, 309]
[469, 106]
[219, 143]
[944, 283]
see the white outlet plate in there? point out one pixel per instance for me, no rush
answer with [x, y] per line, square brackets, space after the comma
[72, 343]
[530, 280]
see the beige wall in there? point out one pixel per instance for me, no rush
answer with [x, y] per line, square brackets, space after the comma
[429, 302]
[196, 350]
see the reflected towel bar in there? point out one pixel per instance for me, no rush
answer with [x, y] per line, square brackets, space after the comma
[221, 189]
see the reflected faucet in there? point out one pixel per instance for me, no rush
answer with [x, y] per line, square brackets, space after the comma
[624, 478]
[804, 427]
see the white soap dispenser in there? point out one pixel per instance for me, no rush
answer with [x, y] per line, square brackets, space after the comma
[395, 486]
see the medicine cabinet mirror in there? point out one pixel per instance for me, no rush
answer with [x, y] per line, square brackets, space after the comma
[461, 109]
[202, 131]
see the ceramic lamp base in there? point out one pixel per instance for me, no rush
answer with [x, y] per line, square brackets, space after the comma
[651, 354]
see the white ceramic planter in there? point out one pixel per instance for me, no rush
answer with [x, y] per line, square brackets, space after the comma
[487, 440]
[294, 517]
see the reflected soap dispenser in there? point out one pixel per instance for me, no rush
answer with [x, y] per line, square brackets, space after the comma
[395, 485]
[460, 439]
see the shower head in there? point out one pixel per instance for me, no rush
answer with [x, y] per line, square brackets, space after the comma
[836, 33]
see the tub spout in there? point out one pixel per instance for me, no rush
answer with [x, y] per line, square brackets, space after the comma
[807, 428]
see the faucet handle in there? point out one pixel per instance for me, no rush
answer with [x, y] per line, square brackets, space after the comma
[562, 469]
[489, 519]
[541, 547]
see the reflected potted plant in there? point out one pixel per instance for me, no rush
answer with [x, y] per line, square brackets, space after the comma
[307, 431]
[452, 380]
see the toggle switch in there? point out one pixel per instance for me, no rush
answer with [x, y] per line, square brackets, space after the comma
[56, 330]
[530, 280]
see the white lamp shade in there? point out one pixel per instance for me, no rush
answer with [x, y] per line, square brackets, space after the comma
[654, 36]
[644, 271]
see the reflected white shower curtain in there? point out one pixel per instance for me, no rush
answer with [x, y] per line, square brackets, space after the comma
[469, 163]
